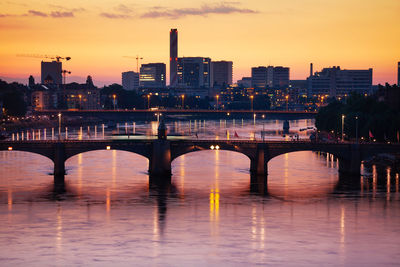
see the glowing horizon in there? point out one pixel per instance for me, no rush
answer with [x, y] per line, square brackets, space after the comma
[97, 35]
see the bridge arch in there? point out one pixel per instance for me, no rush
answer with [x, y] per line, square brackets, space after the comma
[177, 152]
[198, 151]
[71, 154]
[40, 152]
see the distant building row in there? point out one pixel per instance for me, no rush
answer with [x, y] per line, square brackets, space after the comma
[192, 72]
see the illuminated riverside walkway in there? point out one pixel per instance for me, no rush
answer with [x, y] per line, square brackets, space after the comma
[161, 152]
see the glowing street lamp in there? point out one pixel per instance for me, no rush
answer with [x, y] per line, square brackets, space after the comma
[217, 96]
[251, 99]
[80, 101]
[343, 127]
[287, 102]
[148, 101]
[183, 101]
[114, 97]
[59, 126]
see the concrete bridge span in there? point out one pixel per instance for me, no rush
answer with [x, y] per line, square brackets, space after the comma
[161, 152]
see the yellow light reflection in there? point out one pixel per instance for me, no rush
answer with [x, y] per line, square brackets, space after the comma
[59, 229]
[342, 229]
[108, 201]
[10, 199]
[80, 166]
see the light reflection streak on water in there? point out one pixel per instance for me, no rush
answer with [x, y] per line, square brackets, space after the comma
[59, 230]
[286, 173]
[362, 171]
[9, 199]
[388, 184]
[397, 182]
[154, 127]
[214, 198]
[80, 167]
[114, 168]
[342, 233]
[182, 174]
[374, 181]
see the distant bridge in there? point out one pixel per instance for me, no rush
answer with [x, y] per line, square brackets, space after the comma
[191, 112]
[162, 152]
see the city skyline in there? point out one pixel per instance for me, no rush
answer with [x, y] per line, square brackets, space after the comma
[325, 34]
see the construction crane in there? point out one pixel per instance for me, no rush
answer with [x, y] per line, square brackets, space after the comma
[137, 61]
[64, 73]
[57, 58]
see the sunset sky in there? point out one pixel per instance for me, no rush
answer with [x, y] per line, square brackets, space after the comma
[353, 34]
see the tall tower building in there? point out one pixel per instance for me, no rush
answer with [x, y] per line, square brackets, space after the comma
[398, 73]
[173, 57]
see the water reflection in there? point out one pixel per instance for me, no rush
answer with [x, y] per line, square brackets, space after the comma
[307, 215]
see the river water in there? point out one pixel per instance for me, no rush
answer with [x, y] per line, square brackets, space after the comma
[208, 216]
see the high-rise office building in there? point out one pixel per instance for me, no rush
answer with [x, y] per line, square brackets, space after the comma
[221, 73]
[398, 73]
[173, 57]
[51, 72]
[259, 77]
[270, 77]
[336, 82]
[194, 72]
[152, 75]
[130, 80]
[280, 77]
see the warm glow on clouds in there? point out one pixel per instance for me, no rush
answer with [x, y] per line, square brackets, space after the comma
[97, 34]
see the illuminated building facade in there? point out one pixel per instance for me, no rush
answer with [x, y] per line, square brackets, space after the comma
[334, 82]
[152, 75]
[194, 72]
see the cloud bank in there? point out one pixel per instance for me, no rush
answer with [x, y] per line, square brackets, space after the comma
[222, 8]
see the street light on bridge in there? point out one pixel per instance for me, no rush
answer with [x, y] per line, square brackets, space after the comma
[343, 127]
[59, 126]
[114, 97]
[251, 99]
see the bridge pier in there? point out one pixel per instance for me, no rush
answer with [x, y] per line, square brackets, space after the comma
[160, 160]
[59, 163]
[351, 165]
[258, 166]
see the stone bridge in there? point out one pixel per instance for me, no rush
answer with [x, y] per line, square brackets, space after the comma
[161, 152]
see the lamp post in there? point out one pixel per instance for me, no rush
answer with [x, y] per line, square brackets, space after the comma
[80, 101]
[357, 129]
[59, 126]
[251, 100]
[263, 132]
[114, 97]
[217, 96]
[287, 102]
[148, 101]
[343, 127]
[183, 101]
